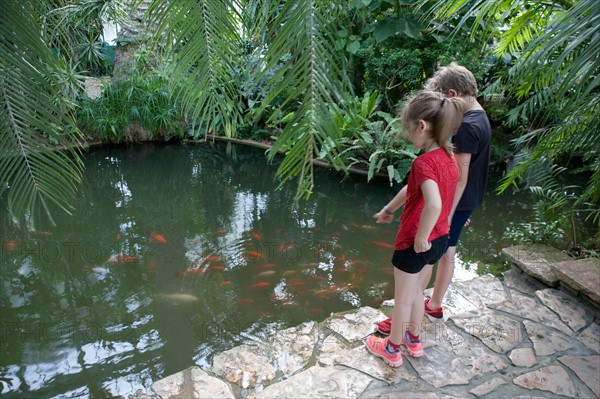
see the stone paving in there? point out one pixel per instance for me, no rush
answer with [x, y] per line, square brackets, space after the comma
[517, 337]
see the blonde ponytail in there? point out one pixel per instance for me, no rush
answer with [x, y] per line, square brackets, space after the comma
[444, 114]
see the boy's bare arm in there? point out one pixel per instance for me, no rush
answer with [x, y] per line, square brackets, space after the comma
[429, 215]
[463, 159]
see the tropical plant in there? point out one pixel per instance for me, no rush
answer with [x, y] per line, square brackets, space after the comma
[36, 118]
[81, 38]
[381, 146]
[139, 107]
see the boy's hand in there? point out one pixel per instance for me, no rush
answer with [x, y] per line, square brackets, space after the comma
[422, 246]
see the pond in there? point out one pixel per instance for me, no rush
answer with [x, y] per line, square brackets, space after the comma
[178, 252]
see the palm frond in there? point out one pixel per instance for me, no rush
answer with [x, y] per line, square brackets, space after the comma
[35, 172]
[203, 38]
[313, 79]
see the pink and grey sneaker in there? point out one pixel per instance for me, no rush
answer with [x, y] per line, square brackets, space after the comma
[384, 327]
[377, 346]
[434, 314]
[414, 348]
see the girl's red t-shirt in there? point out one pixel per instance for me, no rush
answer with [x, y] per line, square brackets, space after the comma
[440, 167]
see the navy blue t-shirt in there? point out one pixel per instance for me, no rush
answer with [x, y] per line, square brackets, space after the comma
[473, 137]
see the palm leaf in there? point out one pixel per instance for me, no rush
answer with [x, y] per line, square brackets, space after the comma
[202, 37]
[34, 172]
[313, 79]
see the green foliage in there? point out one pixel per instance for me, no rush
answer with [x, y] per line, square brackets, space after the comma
[314, 80]
[203, 39]
[538, 231]
[560, 216]
[77, 28]
[137, 108]
[400, 65]
[379, 148]
[254, 84]
[35, 118]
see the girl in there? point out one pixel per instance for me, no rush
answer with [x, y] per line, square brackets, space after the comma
[430, 119]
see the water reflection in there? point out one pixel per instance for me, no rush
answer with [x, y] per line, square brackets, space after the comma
[175, 253]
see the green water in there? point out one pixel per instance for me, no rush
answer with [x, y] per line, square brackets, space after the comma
[177, 252]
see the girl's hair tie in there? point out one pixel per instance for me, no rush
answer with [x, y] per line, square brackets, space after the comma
[443, 102]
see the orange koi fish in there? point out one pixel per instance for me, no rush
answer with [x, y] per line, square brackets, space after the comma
[381, 244]
[254, 254]
[216, 268]
[256, 235]
[287, 246]
[266, 273]
[296, 283]
[224, 283]
[10, 245]
[212, 258]
[193, 271]
[157, 238]
[120, 258]
[262, 284]
[220, 232]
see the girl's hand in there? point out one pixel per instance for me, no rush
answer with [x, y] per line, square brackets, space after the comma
[422, 246]
[383, 217]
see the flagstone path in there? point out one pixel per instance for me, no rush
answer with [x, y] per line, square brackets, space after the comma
[519, 337]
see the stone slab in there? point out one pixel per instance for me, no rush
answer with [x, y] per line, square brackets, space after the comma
[553, 379]
[292, 348]
[581, 275]
[245, 365]
[590, 337]
[487, 387]
[587, 369]
[319, 382]
[523, 357]
[497, 332]
[356, 325]
[547, 341]
[536, 260]
[568, 309]
[528, 308]
[516, 279]
[454, 358]
[193, 383]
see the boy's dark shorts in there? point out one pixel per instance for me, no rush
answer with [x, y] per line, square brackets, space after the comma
[458, 222]
[411, 262]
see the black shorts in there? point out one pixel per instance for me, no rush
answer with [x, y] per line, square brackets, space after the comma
[411, 262]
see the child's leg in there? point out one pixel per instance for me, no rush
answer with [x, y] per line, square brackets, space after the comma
[418, 305]
[443, 277]
[428, 271]
[406, 288]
